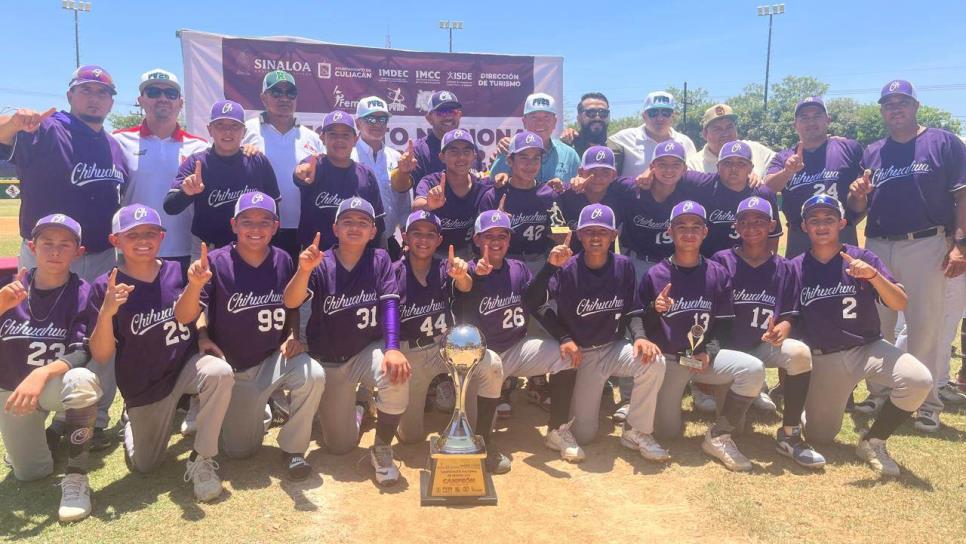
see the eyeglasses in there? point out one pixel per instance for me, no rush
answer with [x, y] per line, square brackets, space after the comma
[377, 119]
[288, 93]
[156, 92]
[597, 113]
[662, 112]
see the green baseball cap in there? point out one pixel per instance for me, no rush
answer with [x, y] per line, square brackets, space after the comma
[274, 78]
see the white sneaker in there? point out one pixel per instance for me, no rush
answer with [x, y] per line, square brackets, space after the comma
[951, 395]
[723, 448]
[562, 440]
[645, 444]
[445, 401]
[202, 473]
[873, 451]
[75, 498]
[764, 403]
[703, 402]
[267, 419]
[383, 463]
[620, 414]
[926, 421]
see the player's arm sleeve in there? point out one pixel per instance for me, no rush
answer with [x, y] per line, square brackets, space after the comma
[537, 293]
[76, 352]
[388, 293]
[270, 182]
[499, 166]
[955, 164]
[778, 230]
[719, 337]
[176, 201]
[546, 314]
[643, 300]
[791, 286]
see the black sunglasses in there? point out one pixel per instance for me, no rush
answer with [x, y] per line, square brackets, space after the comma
[169, 93]
[662, 112]
[377, 120]
[279, 93]
[597, 113]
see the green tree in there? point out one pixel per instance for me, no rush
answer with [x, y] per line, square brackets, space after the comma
[697, 100]
[120, 120]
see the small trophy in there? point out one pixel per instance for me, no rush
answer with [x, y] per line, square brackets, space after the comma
[558, 225]
[457, 469]
[695, 337]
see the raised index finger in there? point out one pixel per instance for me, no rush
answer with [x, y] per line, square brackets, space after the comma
[798, 150]
[567, 239]
[197, 170]
[846, 257]
[409, 147]
[666, 291]
[112, 279]
[204, 256]
[502, 203]
[47, 113]
[486, 254]
[21, 275]
[452, 254]
[317, 240]
[442, 181]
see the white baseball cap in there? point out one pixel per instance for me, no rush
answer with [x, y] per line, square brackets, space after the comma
[371, 104]
[159, 76]
[539, 102]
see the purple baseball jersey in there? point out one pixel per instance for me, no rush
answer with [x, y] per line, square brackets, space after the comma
[426, 151]
[501, 316]
[246, 314]
[721, 204]
[321, 199]
[424, 310]
[768, 290]
[701, 295]
[529, 211]
[456, 217]
[65, 167]
[41, 329]
[912, 182]
[152, 347]
[591, 304]
[646, 220]
[225, 179]
[829, 169]
[838, 311]
[345, 304]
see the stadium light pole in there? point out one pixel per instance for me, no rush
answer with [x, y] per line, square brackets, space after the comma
[76, 7]
[451, 26]
[770, 11]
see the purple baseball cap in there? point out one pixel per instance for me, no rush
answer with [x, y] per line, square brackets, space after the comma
[670, 148]
[57, 220]
[92, 74]
[525, 140]
[338, 118]
[227, 109]
[736, 148]
[423, 215]
[355, 204]
[689, 207]
[492, 219]
[443, 99]
[822, 201]
[898, 86]
[457, 135]
[598, 156]
[255, 200]
[597, 215]
[134, 215]
[754, 204]
[811, 101]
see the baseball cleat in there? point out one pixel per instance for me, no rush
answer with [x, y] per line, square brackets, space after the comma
[645, 444]
[951, 395]
[870, 406]
[873, 451]
[497, 463]
[296, 467]
[926, 421]
[703, 402]
[201, 472]
[75, 498]
[100, 440]
[724, 449]
[620, 414]
[383, 463]
[562, 440]
[764, 403]
[792, 445]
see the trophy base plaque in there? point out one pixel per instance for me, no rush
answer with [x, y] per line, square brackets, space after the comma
[690, 362]
[455, 479]
[564, 230]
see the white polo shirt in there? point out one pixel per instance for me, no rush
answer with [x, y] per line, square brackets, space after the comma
[284, 152]
[707, 162]
[153, 164]
[396, 205]
[639, 148]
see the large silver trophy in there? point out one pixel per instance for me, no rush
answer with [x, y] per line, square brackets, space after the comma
[457, 469]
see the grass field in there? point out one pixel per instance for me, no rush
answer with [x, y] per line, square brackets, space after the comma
[613, 496]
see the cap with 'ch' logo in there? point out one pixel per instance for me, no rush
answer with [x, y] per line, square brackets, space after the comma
[134, 215]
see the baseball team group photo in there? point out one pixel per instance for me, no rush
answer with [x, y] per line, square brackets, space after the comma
[279, 289]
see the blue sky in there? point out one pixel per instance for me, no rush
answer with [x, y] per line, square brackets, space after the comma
[624, 49]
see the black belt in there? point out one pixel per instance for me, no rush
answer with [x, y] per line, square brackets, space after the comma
[422, 342]
[829, 351]
[918, 235]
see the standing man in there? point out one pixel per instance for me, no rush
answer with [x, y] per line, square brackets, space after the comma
[719, 126]
[593, 115]
[422, 155]
[153, 151]
[634, 147]
[372, 122]
[68, 164]
[818, 164]
[916, 223]
[278, 134]
[559, 160]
